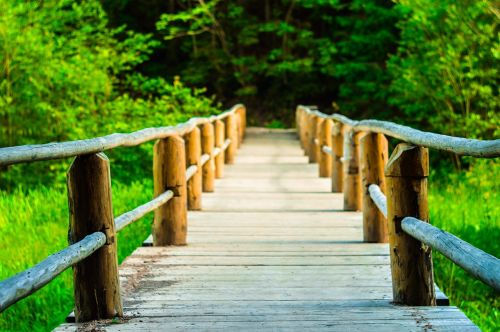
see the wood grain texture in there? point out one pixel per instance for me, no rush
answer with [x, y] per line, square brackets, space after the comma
[325, 140]
[207, 147]
[353, 195]
[481, 265]
[36, 152]
[313, 150]
[374, 155]
[457, 145]
[219, 128]
[193, 158]
[232, 135]
[96, 286]
[411, 261]
[29, 281]
[169, 171]
[272, 250]
[338, 132]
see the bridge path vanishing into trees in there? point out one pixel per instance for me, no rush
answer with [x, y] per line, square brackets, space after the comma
[272, 249]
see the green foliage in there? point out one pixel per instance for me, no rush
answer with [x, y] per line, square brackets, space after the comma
[276, 54]
[467, 205]
[73, 78]
[446, 70]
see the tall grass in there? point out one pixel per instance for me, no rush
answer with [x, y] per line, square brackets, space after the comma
[34, 224]
[468, 206]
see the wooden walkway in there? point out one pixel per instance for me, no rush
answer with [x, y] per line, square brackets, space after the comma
[272, 250]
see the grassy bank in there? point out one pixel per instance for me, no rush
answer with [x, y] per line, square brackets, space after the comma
[468, 206]
[33, 224]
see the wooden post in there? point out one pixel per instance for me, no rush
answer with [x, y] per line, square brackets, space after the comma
[207, 134]
[242, 111]
[169, 170]
[232, 134]
[96, 284]
[338, 154]
[374, 155]
[325, 139]
[313, 147]
[219, 142]
[193, 156]
[411, 261]
[306, 128]
[352, 175]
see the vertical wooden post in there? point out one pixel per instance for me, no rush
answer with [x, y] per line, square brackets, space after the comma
[96, 285]
[352, 175]
[313, 147]
[233, 136]
[411, 261]
[219, 142]
[325, 139]
[193, 156]
[169, 170]
[207, 134]
[306, 119]
[242, 111]
[338, 154]
[297, 123]
[374, 155]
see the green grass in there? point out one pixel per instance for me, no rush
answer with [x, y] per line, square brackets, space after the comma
[468, 206]
[34, 224]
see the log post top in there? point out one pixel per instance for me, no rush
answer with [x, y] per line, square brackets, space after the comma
[408, 161]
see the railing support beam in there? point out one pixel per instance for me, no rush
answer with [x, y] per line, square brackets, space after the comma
[193, 157]
[411, 261]
[338, 154]
[96, 285]
[232, 134]
[169, 170]
[219, 142]
[352, 175]
[374, 155]
[207, 135]
[325, 139]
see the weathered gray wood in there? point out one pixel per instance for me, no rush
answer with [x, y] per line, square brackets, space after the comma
[478, 263]
[457, 145]
[378, 198]
[29, 281]
[191, 171]
[36, 152]
[129, 217]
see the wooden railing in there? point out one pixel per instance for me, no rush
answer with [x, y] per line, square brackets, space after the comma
[187, 159]
[355, 155]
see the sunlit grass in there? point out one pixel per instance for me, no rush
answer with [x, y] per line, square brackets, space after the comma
[33, 225]
[468, 206]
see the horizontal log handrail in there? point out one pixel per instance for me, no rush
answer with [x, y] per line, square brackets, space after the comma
[478, 263]
[89, 193]
[360, 168]
[129, 217]
[37, 152]
[29, 281]
[457, 145]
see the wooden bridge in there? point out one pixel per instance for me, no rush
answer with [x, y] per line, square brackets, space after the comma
[269, 245]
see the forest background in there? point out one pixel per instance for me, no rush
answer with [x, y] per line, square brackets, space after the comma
[77, 69]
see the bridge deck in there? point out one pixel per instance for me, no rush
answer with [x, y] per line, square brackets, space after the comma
[271, 250]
